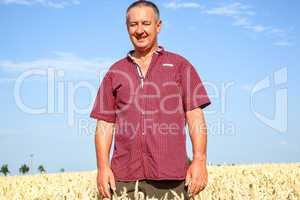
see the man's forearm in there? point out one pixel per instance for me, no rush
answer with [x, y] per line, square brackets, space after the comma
[199, 141]
[198, 133]
[103, 140]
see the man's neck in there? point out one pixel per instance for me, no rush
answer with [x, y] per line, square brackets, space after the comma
[146, 53]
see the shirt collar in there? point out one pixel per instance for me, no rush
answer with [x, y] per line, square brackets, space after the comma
[159, 50]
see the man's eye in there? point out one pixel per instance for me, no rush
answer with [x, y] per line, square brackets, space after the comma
[147, 23]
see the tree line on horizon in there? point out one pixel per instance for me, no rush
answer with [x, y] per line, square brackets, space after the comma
[24, 169]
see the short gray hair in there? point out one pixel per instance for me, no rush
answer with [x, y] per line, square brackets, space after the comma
[144, 3]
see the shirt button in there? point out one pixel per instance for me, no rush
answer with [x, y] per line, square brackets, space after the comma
[143, 133]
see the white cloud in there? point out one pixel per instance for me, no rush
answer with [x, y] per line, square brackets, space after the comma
[20, 2]
[276, 30]
[61, 61]
[176, 5]
[257, 28]
[283, 43]
[240, 21]
[234, 9]
[46, 3]
[283, 142]
[242, 14]
[279, 32]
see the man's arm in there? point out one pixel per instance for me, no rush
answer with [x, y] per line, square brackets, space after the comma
[197, 173]
[103, 141]
[198, 133]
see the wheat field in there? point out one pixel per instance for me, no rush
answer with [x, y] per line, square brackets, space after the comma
[253, 182]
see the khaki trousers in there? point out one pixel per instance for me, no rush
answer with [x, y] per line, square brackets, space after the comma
[152, 188]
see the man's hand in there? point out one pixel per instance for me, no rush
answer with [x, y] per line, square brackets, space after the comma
[105, 181]
[196, 177]
[103, 140]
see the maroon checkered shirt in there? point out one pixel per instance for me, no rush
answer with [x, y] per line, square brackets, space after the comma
[149, 115]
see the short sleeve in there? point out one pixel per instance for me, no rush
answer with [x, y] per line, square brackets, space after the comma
[104, 105]
[193, 91]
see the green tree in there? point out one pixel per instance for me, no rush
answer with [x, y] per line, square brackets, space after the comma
[4, 169]
[24, 169]
[41, 169]
[62, 170]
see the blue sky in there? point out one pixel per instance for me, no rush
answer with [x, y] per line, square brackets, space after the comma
[245, 52]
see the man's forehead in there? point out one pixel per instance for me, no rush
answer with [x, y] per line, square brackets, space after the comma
[140, 12]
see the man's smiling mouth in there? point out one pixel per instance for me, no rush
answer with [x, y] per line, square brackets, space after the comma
[141, 38]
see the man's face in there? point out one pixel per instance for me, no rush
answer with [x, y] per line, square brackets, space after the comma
[143, 27]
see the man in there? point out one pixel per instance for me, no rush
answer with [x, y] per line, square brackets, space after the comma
[145, 100]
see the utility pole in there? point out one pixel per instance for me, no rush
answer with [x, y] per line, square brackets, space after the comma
[31, 162]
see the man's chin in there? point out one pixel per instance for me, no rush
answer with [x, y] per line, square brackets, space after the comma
[141, 47]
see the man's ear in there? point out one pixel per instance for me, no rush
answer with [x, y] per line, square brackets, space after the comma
[126, 24]
[158, 25]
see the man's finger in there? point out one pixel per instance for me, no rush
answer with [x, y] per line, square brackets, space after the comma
[106, 191]
[187, 179]
[99, 187]
[202, 186]
[112, 183]
[196, 190]
[192, 187]
[101, 191]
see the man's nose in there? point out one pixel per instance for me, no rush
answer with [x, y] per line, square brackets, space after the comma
[140, 29]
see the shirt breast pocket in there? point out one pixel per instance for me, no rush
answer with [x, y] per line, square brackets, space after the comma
[124, 93]
[170, 81]
[171, 92]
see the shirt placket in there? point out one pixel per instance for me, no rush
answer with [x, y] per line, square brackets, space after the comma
[142, 121]
[142, 136]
